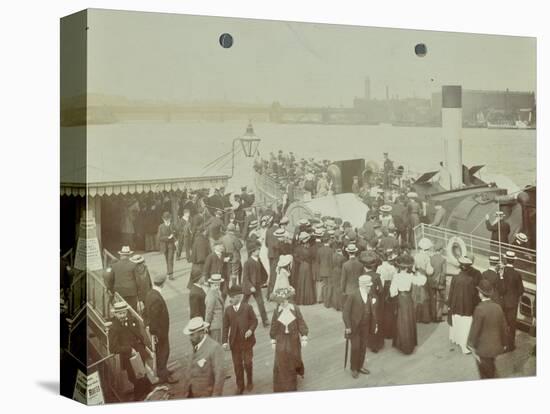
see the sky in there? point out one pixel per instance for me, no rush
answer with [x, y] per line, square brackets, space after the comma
[172, 57]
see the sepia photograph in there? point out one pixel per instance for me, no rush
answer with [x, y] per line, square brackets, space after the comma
[259, 206]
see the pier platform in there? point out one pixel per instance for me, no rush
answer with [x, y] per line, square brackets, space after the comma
[434, 360]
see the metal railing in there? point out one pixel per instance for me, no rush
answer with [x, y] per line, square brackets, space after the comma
[525, 258]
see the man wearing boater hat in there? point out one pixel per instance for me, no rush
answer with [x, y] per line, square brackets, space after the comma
[360, 316]
[239, 324]
[512, 290]
[487, 336]
[351, 270]
[204, 370]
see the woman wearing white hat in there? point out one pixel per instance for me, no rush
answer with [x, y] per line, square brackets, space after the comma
[288, 336]
[424, 270]
[284, 266]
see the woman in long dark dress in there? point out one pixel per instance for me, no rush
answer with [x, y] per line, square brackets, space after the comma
[405, 334]
[288, 335]
[338, 260]
[387, 271]
[305, 288]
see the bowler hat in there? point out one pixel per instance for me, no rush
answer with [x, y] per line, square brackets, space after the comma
[368, 258]
[235, 290]
[485, 287]
[465, 261]
[279, 232]
[158, 278]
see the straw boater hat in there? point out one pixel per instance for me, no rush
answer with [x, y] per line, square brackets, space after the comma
[412, 194]
[120, 306]
[485, 287]
[386, 208]
[304, 222]
[304, 237]
[137, 258]
[365, 280]
[352, 248]
[510, 255]
[126, 250]
[522, 238]
[196, 324]
[425, 243]
[494, 259]
[319, 232]
[279, 233]
[215, 278]
[253, 223]
[284, 260]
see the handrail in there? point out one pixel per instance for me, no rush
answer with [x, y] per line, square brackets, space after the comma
[479, 238]
[525, 261]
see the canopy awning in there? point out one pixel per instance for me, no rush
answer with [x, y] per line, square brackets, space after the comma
[144, 186]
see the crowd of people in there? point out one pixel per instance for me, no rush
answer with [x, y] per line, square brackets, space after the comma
[371, 274]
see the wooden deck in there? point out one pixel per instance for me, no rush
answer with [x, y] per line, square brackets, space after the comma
[434, 360]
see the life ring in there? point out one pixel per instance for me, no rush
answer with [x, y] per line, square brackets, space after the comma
[455, 243]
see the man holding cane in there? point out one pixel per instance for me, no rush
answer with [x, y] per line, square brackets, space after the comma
[361, 319]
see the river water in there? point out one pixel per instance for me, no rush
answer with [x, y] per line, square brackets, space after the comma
[195, 144]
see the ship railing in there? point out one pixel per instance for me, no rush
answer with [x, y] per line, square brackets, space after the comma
[526, 258]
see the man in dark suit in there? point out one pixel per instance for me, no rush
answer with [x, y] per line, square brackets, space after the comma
[199, 253]
[167, 242]
[239, 324]
[123, 279]
[197, 297]
[512, 290]
[463, 298]
[252, 281]
[217, 263]
[487, 336]
[494, 228]
[351, 270]
[493, 276]
[361, 319]
[437, 282]
[125, 340]
[157, 319]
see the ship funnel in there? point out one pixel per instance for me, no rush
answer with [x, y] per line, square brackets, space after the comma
[451, 122]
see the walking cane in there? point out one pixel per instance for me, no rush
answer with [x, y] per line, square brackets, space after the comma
[347, 350]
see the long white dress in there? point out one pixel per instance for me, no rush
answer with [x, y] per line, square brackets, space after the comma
[282, 279]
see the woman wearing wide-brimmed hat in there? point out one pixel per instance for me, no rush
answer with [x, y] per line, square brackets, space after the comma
[284, 266]
[288, 335]
[304, 284]
[405, 338]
